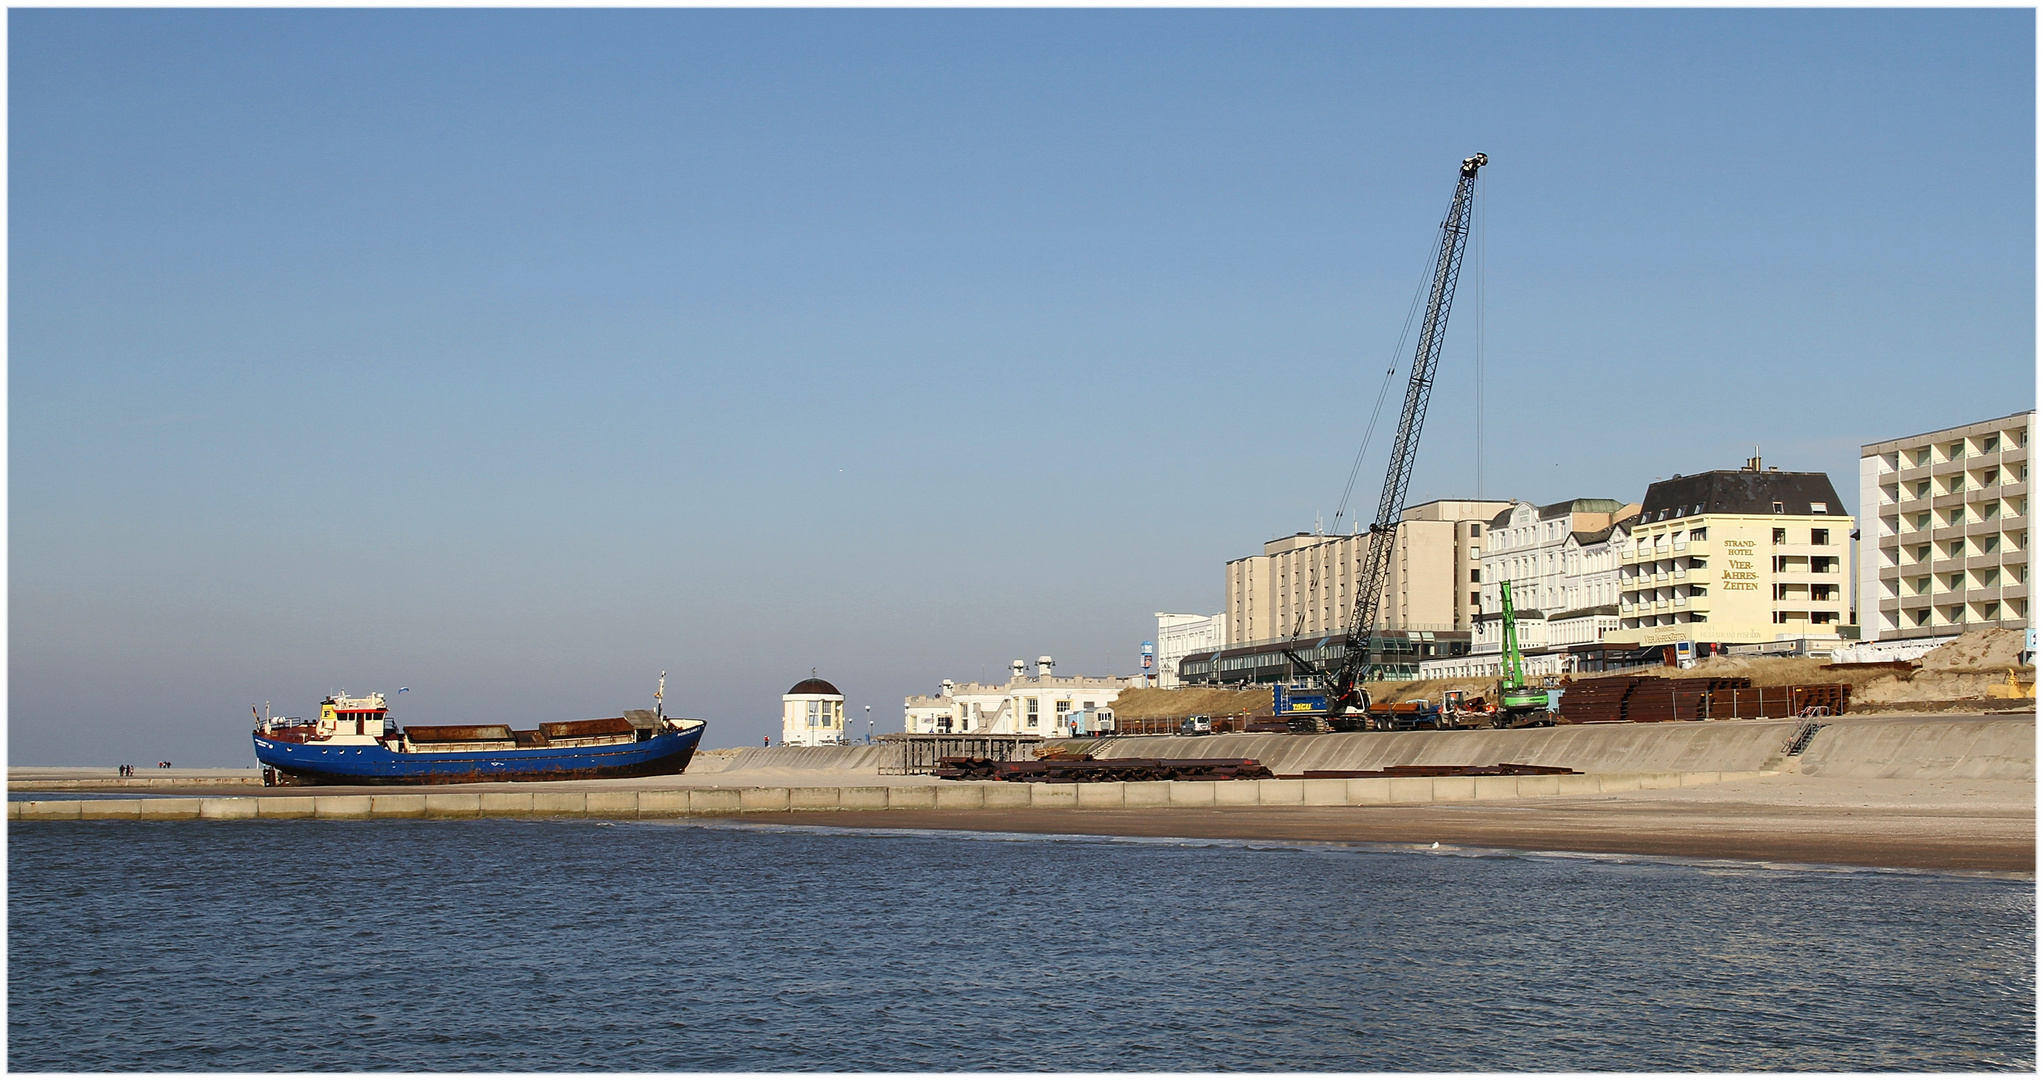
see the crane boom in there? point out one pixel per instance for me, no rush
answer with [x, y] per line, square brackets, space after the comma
[1343, 682]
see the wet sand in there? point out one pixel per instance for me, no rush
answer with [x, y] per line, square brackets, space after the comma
[1950, 825]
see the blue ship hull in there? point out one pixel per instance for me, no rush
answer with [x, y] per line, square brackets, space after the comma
[317, 763]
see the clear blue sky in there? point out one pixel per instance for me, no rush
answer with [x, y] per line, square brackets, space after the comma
[515, 356]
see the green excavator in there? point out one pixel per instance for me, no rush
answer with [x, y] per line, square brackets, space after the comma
[1519, 704]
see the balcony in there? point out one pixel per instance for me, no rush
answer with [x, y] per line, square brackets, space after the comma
[1945, 502]
[1991, 525]
[1946, 468]
[1948, 532]
[1911, 474]
[1911, 505]
[1680, 574]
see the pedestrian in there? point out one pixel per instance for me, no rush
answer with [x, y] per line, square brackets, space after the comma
[766, 740]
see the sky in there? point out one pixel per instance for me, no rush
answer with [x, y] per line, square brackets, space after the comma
[517, 356]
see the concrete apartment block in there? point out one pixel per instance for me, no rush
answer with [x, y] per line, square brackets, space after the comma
[1944, 539]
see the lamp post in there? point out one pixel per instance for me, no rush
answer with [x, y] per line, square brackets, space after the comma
[868, 724]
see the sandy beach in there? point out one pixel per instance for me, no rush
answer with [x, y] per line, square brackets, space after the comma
[1983, 825]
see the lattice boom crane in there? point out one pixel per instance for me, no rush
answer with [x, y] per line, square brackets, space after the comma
[1343, 679]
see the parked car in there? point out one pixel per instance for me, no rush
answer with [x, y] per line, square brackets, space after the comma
[1196, 725]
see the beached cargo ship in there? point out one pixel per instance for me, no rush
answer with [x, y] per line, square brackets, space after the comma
[354, 742]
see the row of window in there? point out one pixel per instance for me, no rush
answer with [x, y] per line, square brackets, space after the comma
[1960, 614]
[1964, 547]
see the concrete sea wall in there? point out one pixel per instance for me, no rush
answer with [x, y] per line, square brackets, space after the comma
[2001, 748]
[700, 801]
[851, 759]
[1992, 748]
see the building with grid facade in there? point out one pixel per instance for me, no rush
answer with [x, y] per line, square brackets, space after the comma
[1945, 543]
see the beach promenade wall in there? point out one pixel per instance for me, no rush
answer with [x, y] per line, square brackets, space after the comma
[850, 759]
[966, 795]
[2001, 748]
[1992, 748]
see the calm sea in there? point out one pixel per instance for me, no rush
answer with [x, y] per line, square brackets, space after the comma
[580, 945]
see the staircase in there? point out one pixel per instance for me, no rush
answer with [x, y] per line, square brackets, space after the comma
[1799, 741]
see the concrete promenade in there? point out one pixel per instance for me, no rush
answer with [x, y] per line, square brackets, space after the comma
[669, 802]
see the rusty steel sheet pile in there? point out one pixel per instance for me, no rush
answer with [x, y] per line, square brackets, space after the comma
[1645, 699]
[1087, 770]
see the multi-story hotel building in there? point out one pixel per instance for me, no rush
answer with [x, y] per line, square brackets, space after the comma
[1304, 585]
[1758, 555]
[1945, 544]
[1563, 571]
[1299, 593]
[1180, 635]
[1043, 704]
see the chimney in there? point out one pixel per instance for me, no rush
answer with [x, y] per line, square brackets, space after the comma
[1043, 666]
[1021, 670]
[1752, 464]
[947, 687]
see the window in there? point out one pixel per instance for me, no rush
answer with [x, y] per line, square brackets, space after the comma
[1823, 564]
[1989, 444]
[1780, 536]
[813, 712]
[1957, 483]
[1922, 586]
[1698, 590]
[1991, 610]
[1823, 618]
[1922, 617]
[1957, 582]
[1989, 545]
[1062, 708]
[1698, 617]
[1034, 717]
[1922, 457]
[1819, 537]
[1475, 600]
[1698, 534]
[1922, 521]
[1780, 616]
[1922, 489]
[1698, 563]
[1814, 508]
[1989, 477]
[1779, 509]
[1475, 577]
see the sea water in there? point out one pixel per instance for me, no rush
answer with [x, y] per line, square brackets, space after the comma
[514, 945]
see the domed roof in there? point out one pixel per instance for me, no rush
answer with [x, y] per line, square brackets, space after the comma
[814, 686]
